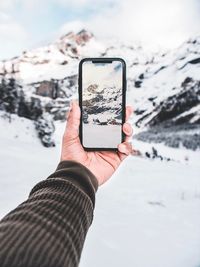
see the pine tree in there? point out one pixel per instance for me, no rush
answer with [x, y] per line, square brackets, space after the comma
[45, 128]
[3, 91]
[9, 91]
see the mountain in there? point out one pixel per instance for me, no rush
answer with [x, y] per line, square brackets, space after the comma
[102, 105]
[41, 82]
[153, 202]
[169, 104]
[164, 88]
[54, 61]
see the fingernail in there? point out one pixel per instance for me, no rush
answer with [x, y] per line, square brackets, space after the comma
[126, 126]
[123, 149]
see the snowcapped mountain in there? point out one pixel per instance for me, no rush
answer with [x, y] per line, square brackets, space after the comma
[54, 61]
[170, 75]
[102, 106]
[160, 198]
[164, 88]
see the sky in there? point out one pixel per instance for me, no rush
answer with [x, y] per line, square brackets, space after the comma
[165, 24]
[102, 74]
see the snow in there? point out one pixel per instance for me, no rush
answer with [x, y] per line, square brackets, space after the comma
[146, 215]
[53, 61]
[162, 73]
[101, 136]
[30, 73]
[23, 161]
[181, 155]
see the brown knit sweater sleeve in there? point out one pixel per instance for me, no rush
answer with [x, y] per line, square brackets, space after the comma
[49, 228]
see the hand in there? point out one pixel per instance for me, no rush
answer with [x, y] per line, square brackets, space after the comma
[101, 163]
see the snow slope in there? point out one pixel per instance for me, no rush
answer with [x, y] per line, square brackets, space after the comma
[56, 60]
[164, 85]
[146, 215]
[107, 136]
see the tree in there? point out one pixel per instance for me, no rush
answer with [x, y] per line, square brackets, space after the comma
[9, 95]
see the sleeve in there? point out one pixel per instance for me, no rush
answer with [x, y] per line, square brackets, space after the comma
[49, 228]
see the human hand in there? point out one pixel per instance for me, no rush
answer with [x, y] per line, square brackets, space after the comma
[101, 163]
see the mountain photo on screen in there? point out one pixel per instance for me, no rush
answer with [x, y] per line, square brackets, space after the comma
[102, 104]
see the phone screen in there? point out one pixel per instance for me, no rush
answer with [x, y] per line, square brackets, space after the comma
[102, 103]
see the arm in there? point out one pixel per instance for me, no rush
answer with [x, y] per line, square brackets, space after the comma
[49, 229]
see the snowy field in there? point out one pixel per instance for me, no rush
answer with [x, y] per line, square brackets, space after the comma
[107, 136]
[147, 215]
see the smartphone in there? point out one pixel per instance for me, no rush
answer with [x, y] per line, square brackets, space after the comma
[102, 94]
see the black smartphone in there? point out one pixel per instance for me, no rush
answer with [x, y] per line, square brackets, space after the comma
[102, 96]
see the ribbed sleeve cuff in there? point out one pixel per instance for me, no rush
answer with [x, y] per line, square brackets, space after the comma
[78, 175]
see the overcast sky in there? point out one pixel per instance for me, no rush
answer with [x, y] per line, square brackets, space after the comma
[155, 23]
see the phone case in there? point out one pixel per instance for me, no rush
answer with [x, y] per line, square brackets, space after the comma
[99, 60]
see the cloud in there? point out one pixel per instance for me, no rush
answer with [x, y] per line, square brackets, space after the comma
[163, 23]
[12, 35]
[24, 4]
[75, 26]
[6, 4]
[4, 17]
[86, 3]
[12, 31]
[78, 4]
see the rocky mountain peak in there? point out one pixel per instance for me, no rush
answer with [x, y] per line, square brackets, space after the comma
[36, 62]
[80, 38]
[163, 88]
[92, 88]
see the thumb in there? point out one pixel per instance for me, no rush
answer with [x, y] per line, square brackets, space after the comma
[73, 121]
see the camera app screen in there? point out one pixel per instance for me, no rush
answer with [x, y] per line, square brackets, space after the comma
[102, 104]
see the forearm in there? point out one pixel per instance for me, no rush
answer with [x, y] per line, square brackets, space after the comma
[49, 228]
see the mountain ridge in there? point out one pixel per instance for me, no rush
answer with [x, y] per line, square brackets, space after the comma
[46, 77]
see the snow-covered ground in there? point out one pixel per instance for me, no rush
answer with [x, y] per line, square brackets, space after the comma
[107, 136]
[146, 215]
